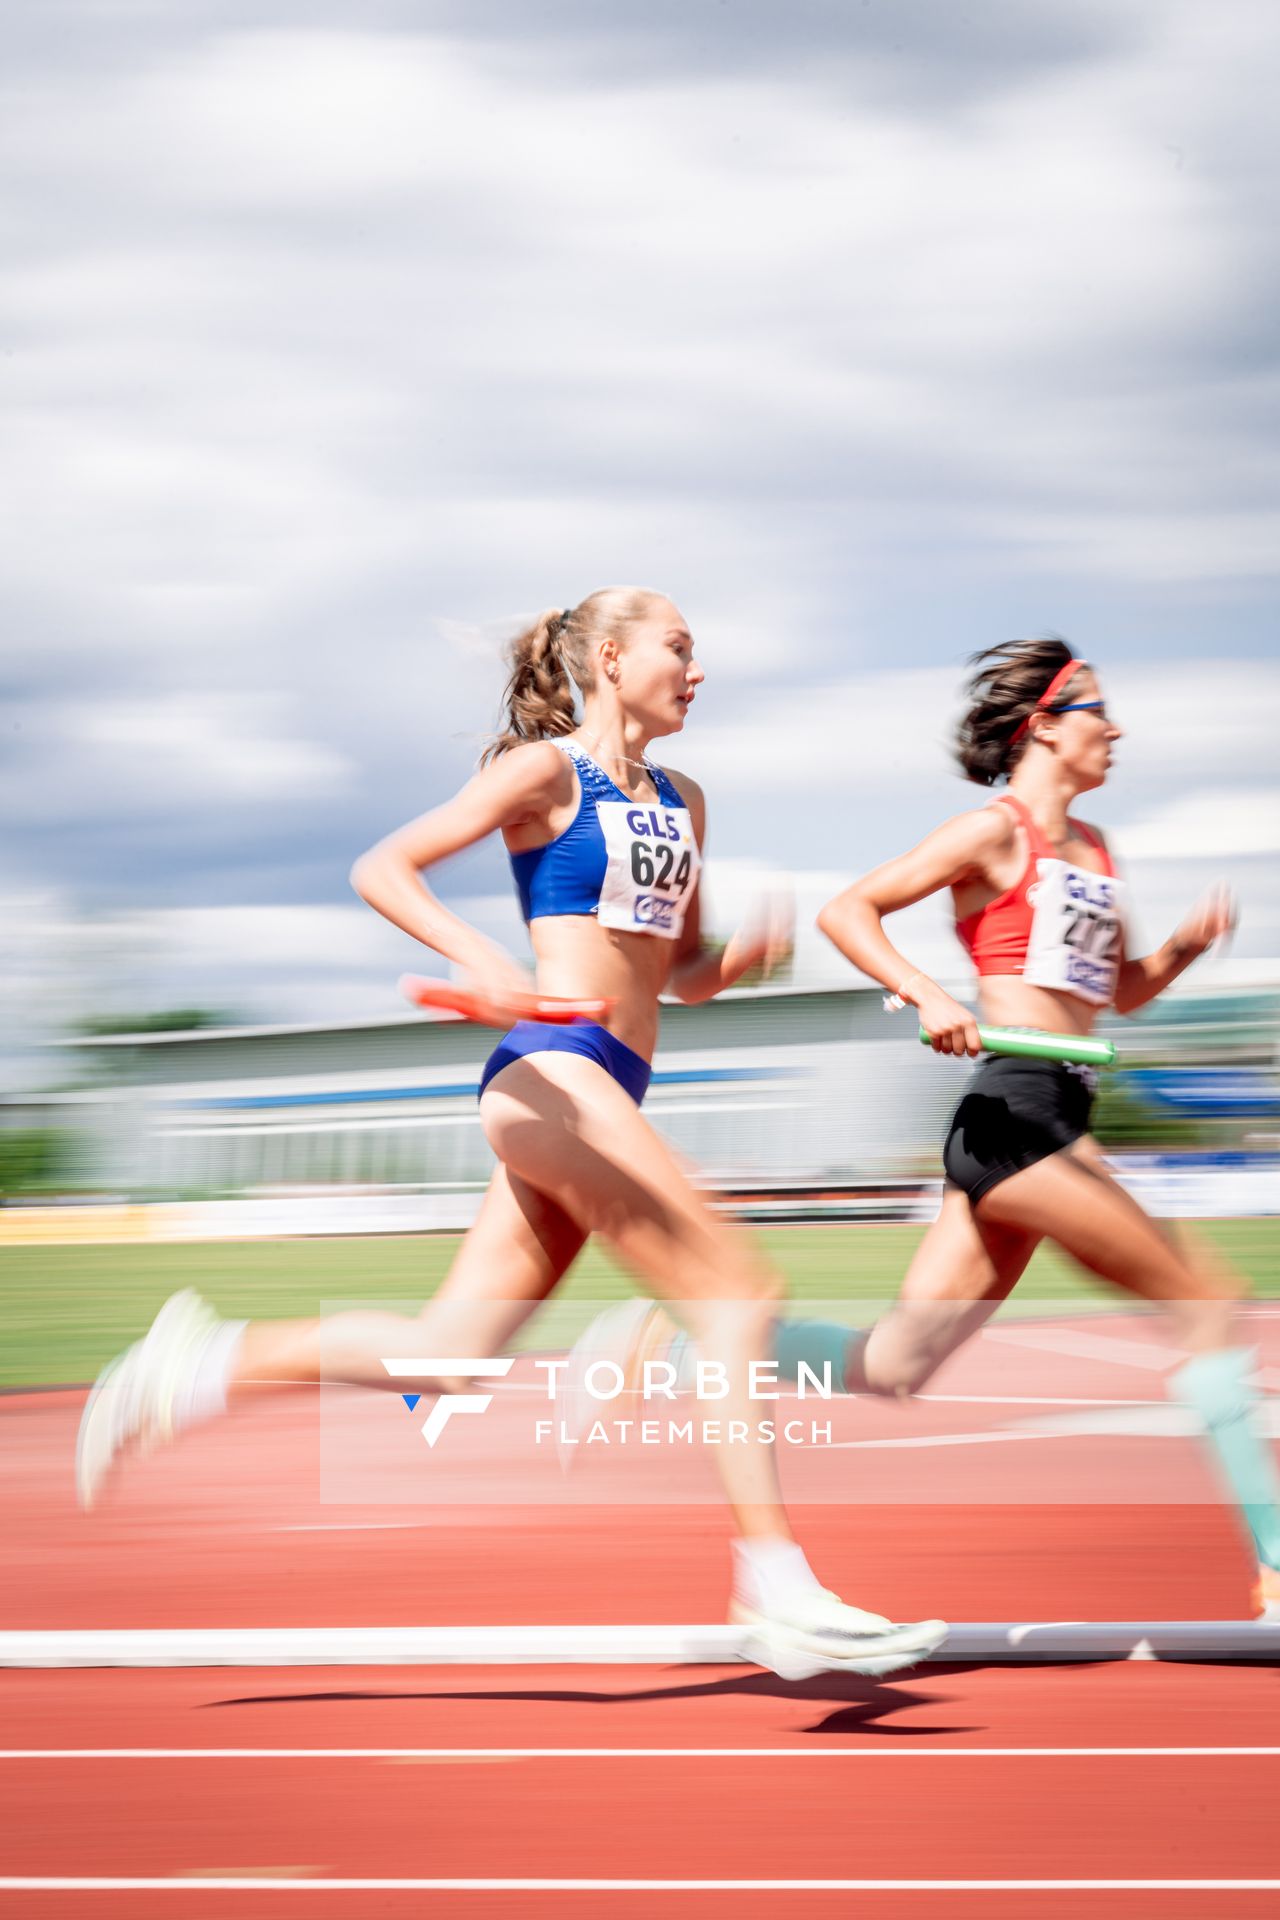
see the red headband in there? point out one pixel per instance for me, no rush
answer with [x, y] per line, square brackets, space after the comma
[1056, 685]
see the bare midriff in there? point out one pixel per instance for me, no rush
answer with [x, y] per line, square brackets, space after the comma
[1007, 1000]
[579, 959]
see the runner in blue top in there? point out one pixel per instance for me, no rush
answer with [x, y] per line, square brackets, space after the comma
[606, 849]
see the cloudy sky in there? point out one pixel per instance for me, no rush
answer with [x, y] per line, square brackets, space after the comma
[337, 339]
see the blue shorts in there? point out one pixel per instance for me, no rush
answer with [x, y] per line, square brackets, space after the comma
[621, 1062]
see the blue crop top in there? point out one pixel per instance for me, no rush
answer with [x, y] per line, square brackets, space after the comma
[632, 864]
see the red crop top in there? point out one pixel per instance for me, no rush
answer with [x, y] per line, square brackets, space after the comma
[1059, 926]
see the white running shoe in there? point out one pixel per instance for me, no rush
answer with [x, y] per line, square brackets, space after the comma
[133, 1397]
[634, 1331]
[110, 1417]
[817, 1633]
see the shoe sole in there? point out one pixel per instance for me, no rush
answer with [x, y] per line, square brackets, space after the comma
[793, 1655]
[91, 1472]
[93, 1462]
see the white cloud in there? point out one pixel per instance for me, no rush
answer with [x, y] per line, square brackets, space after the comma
[866, 732]
[279, 938]
[264, 963]
[321, 338]
[217, 744]
[889, 732]
[1209, 720]
[140, 759]
[1209, 823]
[294, 262]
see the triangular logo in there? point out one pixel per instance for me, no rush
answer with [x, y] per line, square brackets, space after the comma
[411, 1400]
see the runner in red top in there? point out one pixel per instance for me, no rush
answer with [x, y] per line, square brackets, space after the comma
[1041, 911]
[997, 936]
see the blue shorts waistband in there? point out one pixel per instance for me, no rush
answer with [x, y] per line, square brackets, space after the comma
[621, 1062]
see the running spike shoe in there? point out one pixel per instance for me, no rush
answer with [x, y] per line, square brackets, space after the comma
[132, 1401]
[817, 1633]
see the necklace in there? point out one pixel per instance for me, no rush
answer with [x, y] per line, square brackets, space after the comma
[645, 766]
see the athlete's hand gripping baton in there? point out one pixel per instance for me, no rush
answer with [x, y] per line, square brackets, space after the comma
[1029, 1043]
[499, 1009]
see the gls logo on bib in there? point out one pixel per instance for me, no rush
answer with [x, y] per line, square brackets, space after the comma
[658, 825]
[1077, 931]
[652, 861]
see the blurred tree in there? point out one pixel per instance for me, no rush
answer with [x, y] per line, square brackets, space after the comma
[1125, 1119]
[31, 1159]
[168, 1020]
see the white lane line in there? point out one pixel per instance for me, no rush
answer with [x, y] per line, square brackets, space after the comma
[1021, 1400]
[1146, 1354]
[636, 1753]
[195, 1883]
[1149, 1420]
[625, 1646]
[347, 1526]
[1152, 1421]
[997, 1437]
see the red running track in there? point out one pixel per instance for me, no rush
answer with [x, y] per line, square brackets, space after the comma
[929, 1778]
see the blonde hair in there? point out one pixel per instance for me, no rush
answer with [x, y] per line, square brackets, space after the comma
[553, 656]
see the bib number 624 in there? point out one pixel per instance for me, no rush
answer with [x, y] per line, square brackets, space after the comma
[657, 867]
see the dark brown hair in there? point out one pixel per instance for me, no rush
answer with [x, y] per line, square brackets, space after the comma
[1010, 681]
[553, 656]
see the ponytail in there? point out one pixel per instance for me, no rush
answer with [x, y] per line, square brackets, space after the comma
[556, 654]
[539, 693]
[1009, 685]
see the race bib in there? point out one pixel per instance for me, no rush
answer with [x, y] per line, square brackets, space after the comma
[1077, 932]
[653, 861]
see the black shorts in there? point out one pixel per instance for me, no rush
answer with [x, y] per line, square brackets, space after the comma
[1013, 1113]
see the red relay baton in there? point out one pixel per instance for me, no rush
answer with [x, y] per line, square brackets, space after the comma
[445, 996]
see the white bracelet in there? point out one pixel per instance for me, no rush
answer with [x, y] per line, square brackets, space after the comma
[894, 1002]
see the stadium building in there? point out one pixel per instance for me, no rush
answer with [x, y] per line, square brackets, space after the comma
[781, 1094]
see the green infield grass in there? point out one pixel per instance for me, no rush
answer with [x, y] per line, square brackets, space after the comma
[65, 1310]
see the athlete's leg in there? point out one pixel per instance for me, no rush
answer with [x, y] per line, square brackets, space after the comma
[960, 1273]
[1205, 1318]
[185, 1368]
[962, 1269]
[515, 1253]
[1073, 1198]
[568, 1129]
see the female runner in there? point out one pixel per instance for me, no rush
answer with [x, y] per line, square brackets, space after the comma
[1040, 910]
[605, 848]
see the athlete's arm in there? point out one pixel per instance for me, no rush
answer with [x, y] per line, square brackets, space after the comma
[1139, 981]
[700, 971]
[520, 786]
[765, 941]
[961, 849]
[696, 967]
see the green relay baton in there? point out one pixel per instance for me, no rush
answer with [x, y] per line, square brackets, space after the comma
[1029, 1043]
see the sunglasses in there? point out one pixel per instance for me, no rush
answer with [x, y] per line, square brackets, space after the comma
[1083, 706]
